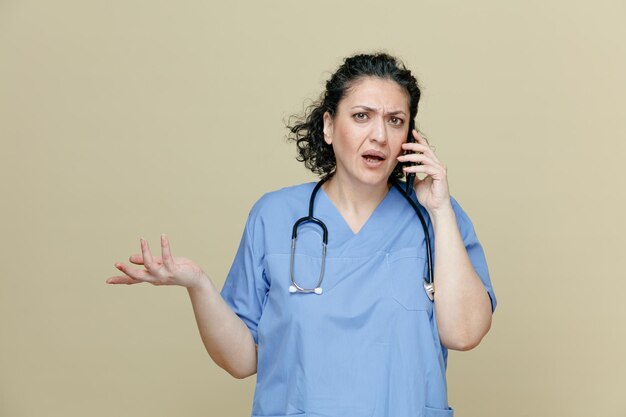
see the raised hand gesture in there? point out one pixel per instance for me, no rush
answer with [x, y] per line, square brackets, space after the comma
[432, 191]
[164, 270]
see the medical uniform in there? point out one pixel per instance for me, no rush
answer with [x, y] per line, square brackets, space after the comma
[368, 346]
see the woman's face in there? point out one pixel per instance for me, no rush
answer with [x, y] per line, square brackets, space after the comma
[369, 127]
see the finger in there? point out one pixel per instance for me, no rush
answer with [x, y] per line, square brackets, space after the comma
[136, 259]
[132, 273]
[421, 145]
[168, 261]
[424, 169]
[122, 280]
[148, 261]
[418, 158]
[420, 138]
[416, 147]
[409, 147]
[423, 141]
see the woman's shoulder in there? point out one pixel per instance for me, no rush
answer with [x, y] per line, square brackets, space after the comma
[277, 201]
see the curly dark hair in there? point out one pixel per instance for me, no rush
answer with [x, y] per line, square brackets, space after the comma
[308, 129]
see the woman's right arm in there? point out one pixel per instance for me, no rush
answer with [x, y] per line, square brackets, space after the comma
[226, 337]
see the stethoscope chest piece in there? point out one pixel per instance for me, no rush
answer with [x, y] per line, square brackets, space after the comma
[429, 287]
[293, 288]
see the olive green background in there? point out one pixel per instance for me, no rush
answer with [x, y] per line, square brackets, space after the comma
[121, 119]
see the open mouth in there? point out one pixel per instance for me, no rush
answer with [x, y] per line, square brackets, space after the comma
[373, 156]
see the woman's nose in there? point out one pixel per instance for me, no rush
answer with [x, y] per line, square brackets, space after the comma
[379, 131]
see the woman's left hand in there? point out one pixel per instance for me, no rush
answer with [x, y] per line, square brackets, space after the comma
[431, 191]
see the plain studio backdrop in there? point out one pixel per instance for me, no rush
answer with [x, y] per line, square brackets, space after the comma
[122, 119]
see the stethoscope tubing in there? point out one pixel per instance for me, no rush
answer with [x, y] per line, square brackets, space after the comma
[428, 283]
[310, 218]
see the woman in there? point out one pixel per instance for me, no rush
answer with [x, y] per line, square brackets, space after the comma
[347, 328]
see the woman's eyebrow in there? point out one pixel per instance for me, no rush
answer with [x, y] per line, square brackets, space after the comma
[366, 108]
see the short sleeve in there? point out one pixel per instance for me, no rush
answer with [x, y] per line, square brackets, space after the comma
[474, 250]
[246, 285]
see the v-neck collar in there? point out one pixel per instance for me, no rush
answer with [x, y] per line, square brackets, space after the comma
[342, 221]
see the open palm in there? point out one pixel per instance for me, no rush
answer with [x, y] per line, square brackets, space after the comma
[164, 270]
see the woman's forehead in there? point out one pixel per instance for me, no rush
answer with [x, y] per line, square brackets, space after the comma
[377, 92]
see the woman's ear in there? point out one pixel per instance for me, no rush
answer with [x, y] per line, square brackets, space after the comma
[328, 128]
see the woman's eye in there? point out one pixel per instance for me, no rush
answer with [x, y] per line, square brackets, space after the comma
[396, 121]
[360, 116]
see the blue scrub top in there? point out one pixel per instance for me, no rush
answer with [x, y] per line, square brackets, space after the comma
[369, 345]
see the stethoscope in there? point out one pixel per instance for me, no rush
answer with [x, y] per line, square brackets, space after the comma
[429, 285]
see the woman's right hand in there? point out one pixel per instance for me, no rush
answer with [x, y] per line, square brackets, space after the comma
[165, 270]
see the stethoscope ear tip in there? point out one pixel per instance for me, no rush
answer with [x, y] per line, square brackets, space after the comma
[318, 290]
[292, 289]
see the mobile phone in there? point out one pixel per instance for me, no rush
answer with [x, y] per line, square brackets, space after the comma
[410, 178]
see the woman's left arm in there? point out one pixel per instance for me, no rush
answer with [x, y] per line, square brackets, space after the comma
[462, 304]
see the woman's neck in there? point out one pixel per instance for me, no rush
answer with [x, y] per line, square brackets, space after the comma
[353, 199]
